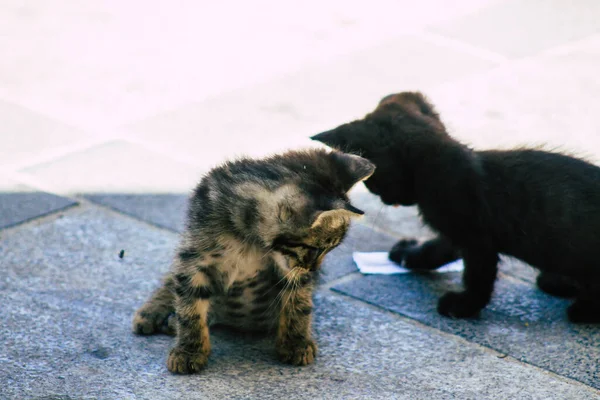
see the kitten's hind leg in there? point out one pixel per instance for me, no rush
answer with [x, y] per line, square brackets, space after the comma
[586, 308]
[429, 255]
[194, 288]
[156, 315]
[479, 275]
[557, 285]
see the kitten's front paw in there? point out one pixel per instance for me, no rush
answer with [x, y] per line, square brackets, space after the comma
[458, 305]
[299, 352]
[149, 323]
[401, 249]
[184, 362]
[583, 313]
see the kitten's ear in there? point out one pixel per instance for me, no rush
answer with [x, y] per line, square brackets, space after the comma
[352, 168]
[337, 138]
[415, 103]
[332, 219]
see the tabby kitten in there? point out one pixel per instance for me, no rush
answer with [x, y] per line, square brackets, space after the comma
[540, 207]
[256, 234]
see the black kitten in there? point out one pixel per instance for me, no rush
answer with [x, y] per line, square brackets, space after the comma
[541, 207]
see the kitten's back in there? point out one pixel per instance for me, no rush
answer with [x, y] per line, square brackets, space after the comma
[543, 198]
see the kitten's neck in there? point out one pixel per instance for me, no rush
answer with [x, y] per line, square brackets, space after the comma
[443, 165]
[450, 188]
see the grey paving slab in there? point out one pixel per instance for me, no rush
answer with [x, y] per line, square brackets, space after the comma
[399, 221]
[360, 237]
[80, 252]
[24, 132]
[519, 28]
[521, 321]
[68, 299]
[164, 210]
[117, 167]
[87, 352]
[20, 203]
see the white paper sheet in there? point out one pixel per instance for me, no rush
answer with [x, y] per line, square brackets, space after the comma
[378, 263]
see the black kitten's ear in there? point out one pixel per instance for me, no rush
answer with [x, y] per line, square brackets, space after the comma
[421, 102]
[352, 169]
[335, 138]
[414, 102]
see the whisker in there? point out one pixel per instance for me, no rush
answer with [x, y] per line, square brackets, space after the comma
[279, 296]
[266, 254]
[294, 281]
[377, 216]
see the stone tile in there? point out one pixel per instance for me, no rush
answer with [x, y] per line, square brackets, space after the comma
[20, 203]
[117, 168]
[403, 222]
[284, 113]
[519, 28]
[521, 321]
[164, 210]
[25, 133]
[68, 301]
[87, 351]
[80, 252]
[550, 99]
[360, 238]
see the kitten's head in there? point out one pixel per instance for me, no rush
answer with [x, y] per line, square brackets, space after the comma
[308, 213]
[390, 137]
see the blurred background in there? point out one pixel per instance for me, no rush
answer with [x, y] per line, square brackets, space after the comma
[126, 103]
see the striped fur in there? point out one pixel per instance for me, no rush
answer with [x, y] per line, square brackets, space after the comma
[257, 232]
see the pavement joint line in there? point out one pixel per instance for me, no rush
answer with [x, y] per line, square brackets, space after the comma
[463, 47]
[116, 211]
[562, 49]
[500, 355]
[326, 287]
[369, 224]
[41, 219]
[173, 155]
[514, 278]
[34, 183]
[53, 154]
[88, 204]
[85, 204]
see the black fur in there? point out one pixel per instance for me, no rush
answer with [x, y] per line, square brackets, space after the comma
[538, 206]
